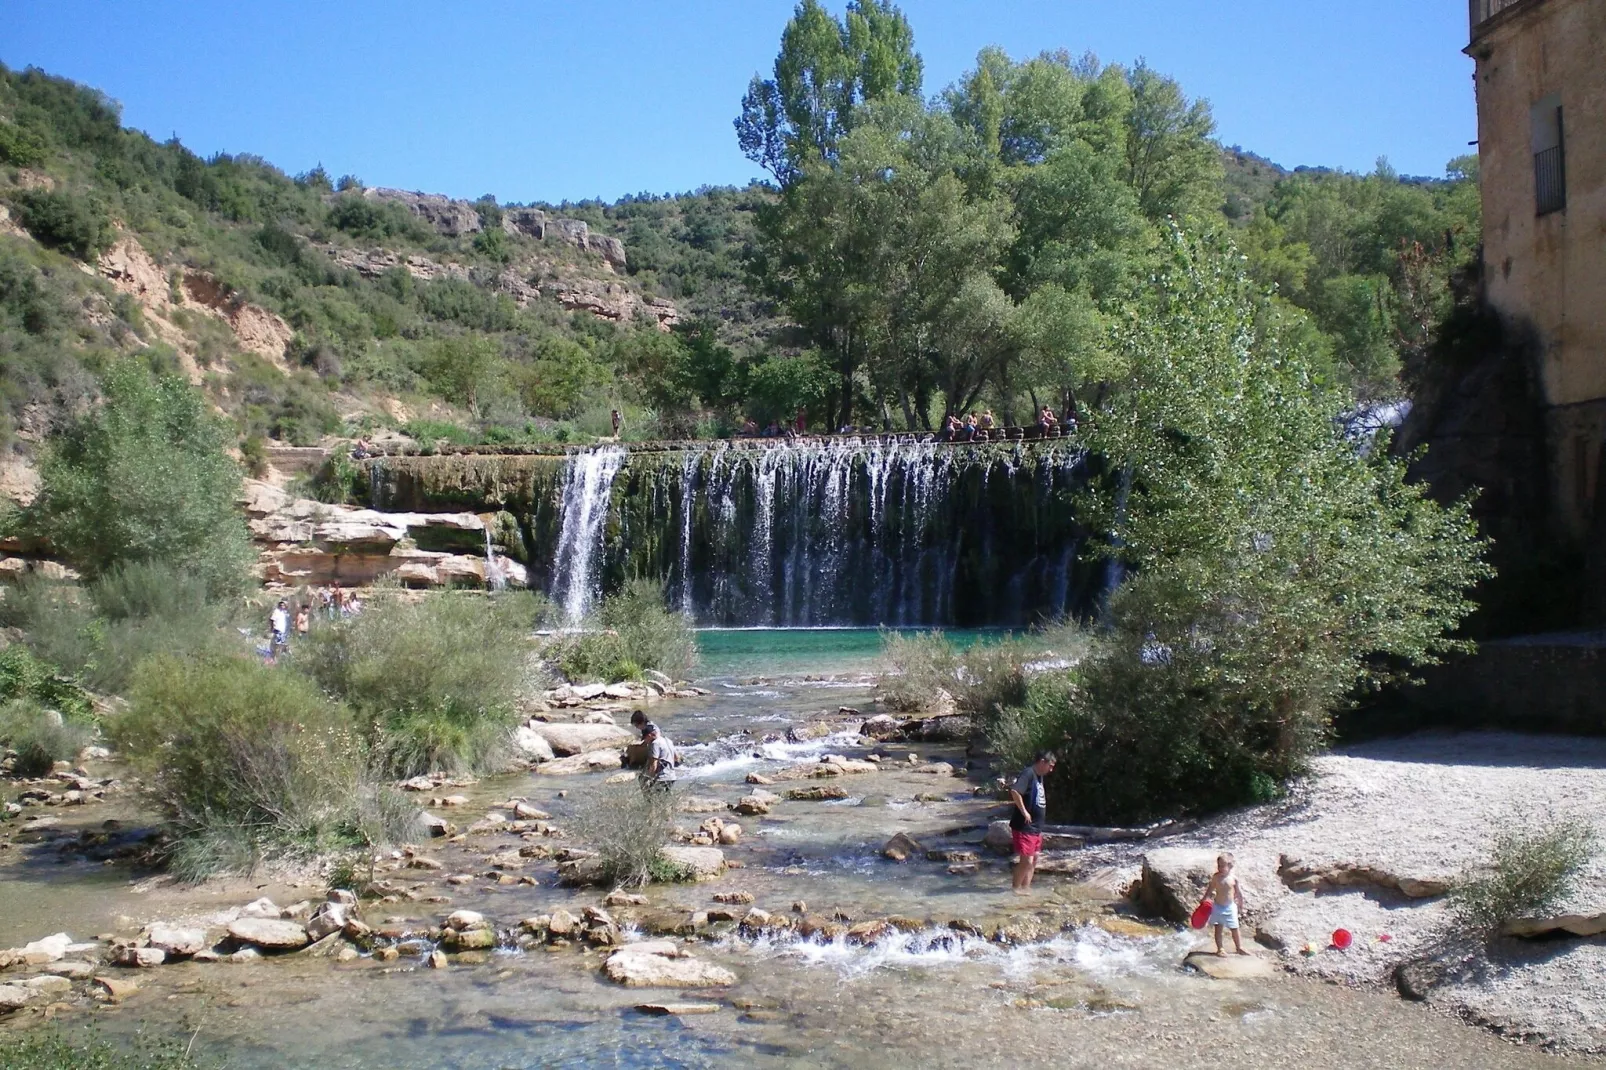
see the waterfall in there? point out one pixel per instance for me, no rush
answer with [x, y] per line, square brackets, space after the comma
[587, 488]
[845, 531]
[494, 580]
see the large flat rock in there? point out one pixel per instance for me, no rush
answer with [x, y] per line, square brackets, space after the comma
[1231, 966]
[571, 739]
[704, 862]
[661, 964]
[273, 934]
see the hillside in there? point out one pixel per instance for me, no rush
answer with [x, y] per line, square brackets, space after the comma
[308, 306]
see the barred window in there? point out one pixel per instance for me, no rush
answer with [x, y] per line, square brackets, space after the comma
[1550, 156]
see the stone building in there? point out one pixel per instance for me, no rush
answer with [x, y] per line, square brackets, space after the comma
[1541, 91]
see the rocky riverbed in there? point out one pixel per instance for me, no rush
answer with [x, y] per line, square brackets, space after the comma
[855, 914]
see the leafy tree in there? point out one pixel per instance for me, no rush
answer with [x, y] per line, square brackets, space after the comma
[825, 70]
[64, 220]
[144, 477]
[464, 369]
[1276, 567]
[1172, 164]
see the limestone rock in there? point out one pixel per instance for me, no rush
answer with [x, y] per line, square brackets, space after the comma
[593, 762]
[752, 805]
[464, 920]
[678, 1009]
[1230, 967]
[999, 840]
[261, 908]
[1173, 881]
[446, 216]
[936, 769]
[818, 793]
[902, 847]
[571, 739]
[274, 934]
[1571, 924]
[695, 804]
[140, 957]
[705, 863]
[532, 744]
[116, 989]
[662, 964]
[176, 942]
[15, 997]
[38, 952]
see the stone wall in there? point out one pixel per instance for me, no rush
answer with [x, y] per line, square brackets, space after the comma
[1535, 683]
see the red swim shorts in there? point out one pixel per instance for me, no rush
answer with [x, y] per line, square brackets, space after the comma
[1026, 843]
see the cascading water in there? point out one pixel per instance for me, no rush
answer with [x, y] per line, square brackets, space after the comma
[586, 492]
[842, 532]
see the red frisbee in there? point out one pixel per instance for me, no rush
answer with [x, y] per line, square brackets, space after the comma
[1341, 938]
[1201, 914]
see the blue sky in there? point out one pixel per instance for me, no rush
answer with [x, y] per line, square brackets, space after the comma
[548, 101]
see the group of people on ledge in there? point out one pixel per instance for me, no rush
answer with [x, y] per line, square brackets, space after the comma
[333, 602]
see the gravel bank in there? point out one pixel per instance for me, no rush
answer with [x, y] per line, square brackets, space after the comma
[1425, 807]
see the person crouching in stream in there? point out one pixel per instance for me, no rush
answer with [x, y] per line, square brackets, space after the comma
[1030, 810]
[658, 774]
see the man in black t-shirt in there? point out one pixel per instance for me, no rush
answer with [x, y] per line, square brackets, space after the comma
[1029, 809]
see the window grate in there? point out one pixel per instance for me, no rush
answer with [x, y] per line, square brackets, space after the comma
[1550, 180]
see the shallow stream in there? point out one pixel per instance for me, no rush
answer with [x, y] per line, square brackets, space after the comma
[1073, 993]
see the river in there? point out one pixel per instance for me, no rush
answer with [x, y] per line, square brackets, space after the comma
[1089, 991]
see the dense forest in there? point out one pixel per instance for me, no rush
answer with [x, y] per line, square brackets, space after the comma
[909, 254]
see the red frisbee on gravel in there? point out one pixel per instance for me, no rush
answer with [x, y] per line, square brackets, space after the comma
[1342, 938]
[1201, 914]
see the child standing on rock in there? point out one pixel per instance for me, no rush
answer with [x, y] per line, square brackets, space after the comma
[1226, 900]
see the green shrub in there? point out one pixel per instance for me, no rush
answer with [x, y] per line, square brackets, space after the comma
[246, 761]
[65, 220]
[633, 631]
[40, 737]
[1528, 873]
[916, 670]
[435, 680]
[25, 677]
[97, 634]
[628, 829]
[144, 477]
[20, 145]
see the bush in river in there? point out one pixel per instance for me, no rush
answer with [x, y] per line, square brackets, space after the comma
[434, 681]
[633, 631]
[1528, 872]
[628, 828]
[917, 670]
[247, 762]
[39, 737]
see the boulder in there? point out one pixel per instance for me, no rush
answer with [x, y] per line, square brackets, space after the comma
[740, 898]
[882, 728]
[15, 997]
[902, 847]
[176, 942]
[525, 812]
[464, 920]
[935, 769]
[662, 964]
[261, 908]
[695, 804]
[38, 952]
[730, 835]
[999, 839]
[273, 934]
[472, 940]
[115, 990]
[753, 805]
[571, 739]
[578, 872]
[532, 744]
[329, 918]
[435, 826]
[1173, 881]
[704, 862]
